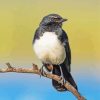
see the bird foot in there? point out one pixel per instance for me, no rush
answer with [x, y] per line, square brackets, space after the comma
[42, 73]
[62, 81]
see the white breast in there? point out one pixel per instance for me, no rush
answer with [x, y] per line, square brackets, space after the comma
[49, 49]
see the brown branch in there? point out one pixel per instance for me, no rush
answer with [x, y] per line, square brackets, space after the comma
[35, 70]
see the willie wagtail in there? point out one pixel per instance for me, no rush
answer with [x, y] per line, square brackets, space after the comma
[51, 46]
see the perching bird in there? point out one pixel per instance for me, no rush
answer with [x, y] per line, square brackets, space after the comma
[51, 46]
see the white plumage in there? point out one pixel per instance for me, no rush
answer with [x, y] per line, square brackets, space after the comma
[49, 49]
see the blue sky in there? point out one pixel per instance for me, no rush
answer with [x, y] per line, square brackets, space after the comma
[17, 86]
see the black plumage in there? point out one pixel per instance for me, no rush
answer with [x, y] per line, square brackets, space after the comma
[53, 23]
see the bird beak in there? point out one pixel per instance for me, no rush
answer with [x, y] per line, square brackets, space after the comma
[63, 20]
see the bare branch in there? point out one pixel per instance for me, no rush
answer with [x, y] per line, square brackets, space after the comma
[35, 70]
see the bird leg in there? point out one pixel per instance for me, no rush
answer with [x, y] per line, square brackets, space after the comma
[48, 67]
[42, 71]
[62, 80]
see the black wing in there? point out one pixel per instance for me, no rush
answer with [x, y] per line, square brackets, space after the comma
[65, 66]
[36, 35]
[64, 39]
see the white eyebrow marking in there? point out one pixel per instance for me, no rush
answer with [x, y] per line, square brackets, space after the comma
[54, 16]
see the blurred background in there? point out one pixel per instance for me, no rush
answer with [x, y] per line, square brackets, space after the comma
[18, 22]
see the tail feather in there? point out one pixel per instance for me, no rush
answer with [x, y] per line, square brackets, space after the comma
[56, 85]
[67, 76]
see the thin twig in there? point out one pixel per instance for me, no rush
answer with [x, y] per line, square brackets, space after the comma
[35, 70]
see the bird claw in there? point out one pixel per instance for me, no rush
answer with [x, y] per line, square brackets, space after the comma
[42, 73]
[62, 81]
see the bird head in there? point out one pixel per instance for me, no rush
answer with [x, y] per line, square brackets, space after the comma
[52, 19]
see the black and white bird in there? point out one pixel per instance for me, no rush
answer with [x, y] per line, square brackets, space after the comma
[51, 46]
